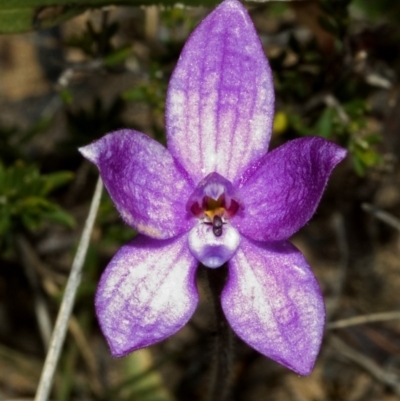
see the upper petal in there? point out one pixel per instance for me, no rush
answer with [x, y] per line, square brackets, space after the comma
[282, 193]
[148, 188]
[220, 102]
[147, 293]
[273, 302]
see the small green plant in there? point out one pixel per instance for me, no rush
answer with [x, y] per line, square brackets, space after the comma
[24, 202]
[347, 125]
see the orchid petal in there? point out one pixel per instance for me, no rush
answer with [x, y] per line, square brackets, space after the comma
[273, 303]
[211, 250]
[220, 101]
[148, 188]
[282, 193]
[147, 293]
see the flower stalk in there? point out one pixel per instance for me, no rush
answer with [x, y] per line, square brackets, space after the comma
[220, 379]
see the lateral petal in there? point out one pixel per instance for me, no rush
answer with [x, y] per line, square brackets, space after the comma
[273, 303]
[282, 192]
[220, 102]
[147, 293]
[148, 188]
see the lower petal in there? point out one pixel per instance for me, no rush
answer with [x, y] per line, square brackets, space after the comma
[273, 302]
[147, 293]
[211, 250]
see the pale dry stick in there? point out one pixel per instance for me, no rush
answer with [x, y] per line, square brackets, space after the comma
[294, 395]
[41, 309]
[382, 215]
[378, 81]
[331, 101]
[79, 182]
[363, 319]
[67, 303]
[19, 399]
[34, 263]
[68, 74]
[152, 22]
[387, 378]
[43, 271]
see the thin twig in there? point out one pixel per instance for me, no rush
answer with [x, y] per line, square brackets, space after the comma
[382, 215]
[43, 271]
[87, 354]
[41, 309]
[151, 23]
[387, 378]
[339, 282]
[20, 399]
[67, 303]
[79, 182]
[68, 74]
[331, 101]
[33, 264]
[363, 319]
[378, 81]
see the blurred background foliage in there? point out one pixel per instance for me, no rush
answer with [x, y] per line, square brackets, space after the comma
[73, 70]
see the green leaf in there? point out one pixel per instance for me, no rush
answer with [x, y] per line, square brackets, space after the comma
[56, 180]
[118, 56]
[358, 166]
[324, 125]
[60, 216]
[328, 24]
[137, 94]
[66, 95]
[24, 15]
[10, 4]
[16, 20]
[23, 199]
[5, 221]
[373, 139]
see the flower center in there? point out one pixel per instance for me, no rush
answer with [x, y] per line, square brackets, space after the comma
[214, 202]
[213, 240]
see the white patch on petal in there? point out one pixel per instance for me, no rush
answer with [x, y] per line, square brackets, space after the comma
[148, 230]
[300, 270]
[259, 306]
[90, 152]
[211, 250]
[273, 302]
[145, 295]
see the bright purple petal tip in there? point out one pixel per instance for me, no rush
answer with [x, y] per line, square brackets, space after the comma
[282, 191]
[220, 102]
[273, 303]
[147, 187]
[146, 294]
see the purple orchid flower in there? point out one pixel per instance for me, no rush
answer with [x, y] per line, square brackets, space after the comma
[215, 196]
